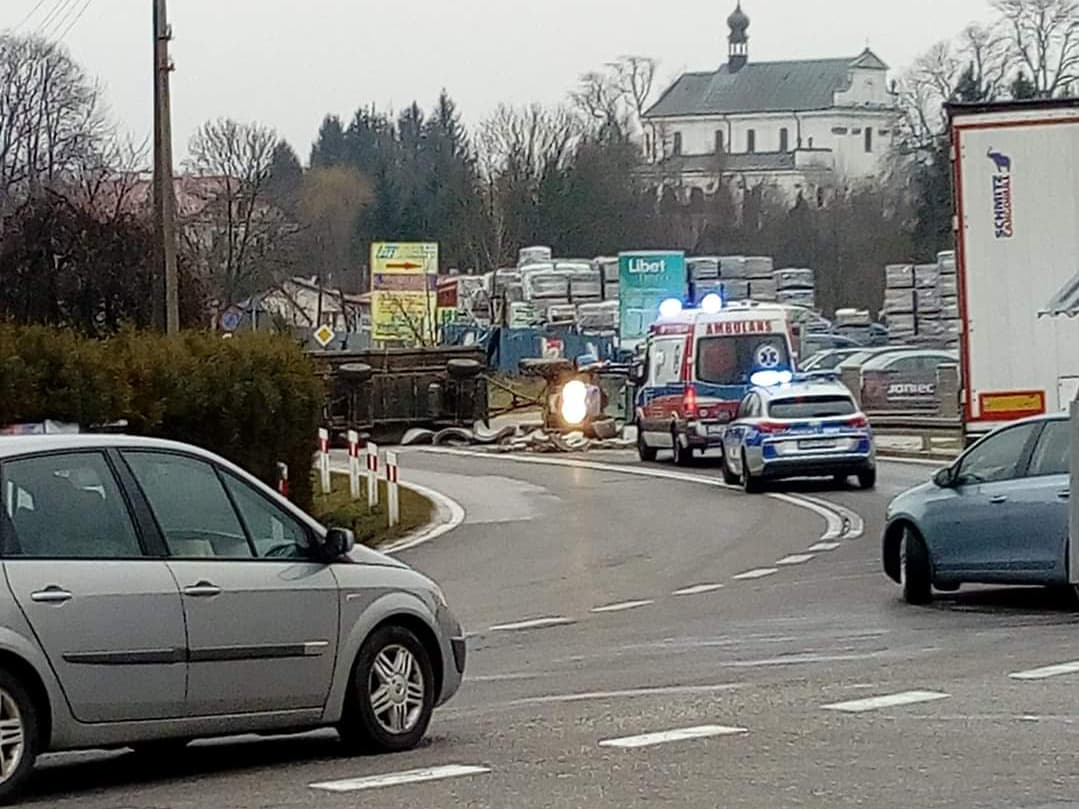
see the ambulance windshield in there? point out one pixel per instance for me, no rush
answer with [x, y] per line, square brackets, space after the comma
[732, 360]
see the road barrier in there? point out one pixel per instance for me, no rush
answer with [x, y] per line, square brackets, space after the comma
[324, 459]
[392, 492]
[354, 464]
[372, 474]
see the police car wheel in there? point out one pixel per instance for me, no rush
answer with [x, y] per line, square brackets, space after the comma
[729, 477]
[750, 484]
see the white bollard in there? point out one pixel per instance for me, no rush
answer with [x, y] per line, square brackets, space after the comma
[354, 464]
[392, 491]
[324, 459]
[372, 474]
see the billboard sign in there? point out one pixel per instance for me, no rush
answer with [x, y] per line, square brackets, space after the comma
[646, 279]
[403, 291]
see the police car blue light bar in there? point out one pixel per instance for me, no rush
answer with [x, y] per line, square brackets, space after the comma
[771, 379]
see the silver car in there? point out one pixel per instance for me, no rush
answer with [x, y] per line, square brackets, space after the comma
[156, 593]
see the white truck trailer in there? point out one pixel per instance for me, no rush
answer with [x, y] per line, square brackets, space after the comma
[1016, 168]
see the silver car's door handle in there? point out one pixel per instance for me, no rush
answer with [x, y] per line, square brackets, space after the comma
[998, 499]
[51, 595]
[1064, 495]
[203, 589]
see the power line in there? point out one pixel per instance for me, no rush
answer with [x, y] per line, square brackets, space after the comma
[75, 21]
[61, 8]
[29, 14]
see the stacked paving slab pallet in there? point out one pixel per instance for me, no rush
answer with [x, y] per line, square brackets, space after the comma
[796, 286]
[555, 290]
[737, 278]
[921, 302]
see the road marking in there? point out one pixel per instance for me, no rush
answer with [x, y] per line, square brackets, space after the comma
[667, 736]
[698, 589]
[532, 623]
[623, 607]
[887, 701]
[822, 547]
[759, 573]
[597, 696]
[841, 522]
[1046, 672]
[399, 778]
[795, 559]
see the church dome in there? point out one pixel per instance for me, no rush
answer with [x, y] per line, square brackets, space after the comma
[738, 22]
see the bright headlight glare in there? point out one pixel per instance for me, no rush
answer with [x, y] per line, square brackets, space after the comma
[574, 402]
[712, 303]
[672, 307]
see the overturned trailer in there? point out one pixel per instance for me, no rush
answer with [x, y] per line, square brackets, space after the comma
[383, 393]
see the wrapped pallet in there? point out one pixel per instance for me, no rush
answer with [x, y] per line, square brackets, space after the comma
[762, 289]
[609, 267]
[760, 267]
[598, 316]
[946, 262]
[898, 301]
[793, 278]
[948, 286]
[732, 267]
[703, 268]
[926, 276]
[949, 308]
[797, 297]
[735, 289]
[534, 255]
[611, 291]
[543, 282]
[852, 317]
[899, 276]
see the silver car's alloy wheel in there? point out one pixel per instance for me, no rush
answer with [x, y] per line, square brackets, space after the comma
[396, 689]
[12, 736]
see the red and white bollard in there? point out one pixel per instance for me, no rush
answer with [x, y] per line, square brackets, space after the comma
[372, 474]
[392, 490]
[282, 479]
[324, 459]
[354, 464]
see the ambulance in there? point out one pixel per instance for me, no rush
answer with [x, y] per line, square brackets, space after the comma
[699, 365]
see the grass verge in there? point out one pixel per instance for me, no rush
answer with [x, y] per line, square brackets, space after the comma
[371, 526]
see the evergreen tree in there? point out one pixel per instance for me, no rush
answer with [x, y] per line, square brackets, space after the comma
[286, 177]
[1022, 88]
[331, 148]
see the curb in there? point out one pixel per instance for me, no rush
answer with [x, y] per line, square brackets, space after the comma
[450, 514]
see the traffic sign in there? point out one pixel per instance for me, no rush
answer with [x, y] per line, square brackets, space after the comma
[324, 335]
[230, 319]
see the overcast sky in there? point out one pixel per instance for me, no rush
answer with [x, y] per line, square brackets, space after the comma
[289, 62]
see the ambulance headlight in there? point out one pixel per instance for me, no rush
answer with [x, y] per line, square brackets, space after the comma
[770, 379]
[712, 303]
[574, 402]
[672, 307]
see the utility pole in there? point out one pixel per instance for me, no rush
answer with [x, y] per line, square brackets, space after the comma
[164, 192]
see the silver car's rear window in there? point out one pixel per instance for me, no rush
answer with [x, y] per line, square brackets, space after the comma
[812, 407]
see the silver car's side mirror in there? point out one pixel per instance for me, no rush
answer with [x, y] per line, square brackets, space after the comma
[337, 543]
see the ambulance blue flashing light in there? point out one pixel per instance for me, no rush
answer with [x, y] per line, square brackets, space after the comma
[672, 307]
[712, 303]
[771, 379]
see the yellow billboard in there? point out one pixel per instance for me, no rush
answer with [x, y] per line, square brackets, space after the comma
[403, 292]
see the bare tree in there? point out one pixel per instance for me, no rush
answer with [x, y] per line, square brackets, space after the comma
[51, 116]
[242, 240]
[1044, 36]
[636, 78]
[602, 102]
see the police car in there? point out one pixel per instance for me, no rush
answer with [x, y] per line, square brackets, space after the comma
[789, 427]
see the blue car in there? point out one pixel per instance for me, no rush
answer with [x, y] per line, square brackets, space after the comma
[998, 515]
[799, 428]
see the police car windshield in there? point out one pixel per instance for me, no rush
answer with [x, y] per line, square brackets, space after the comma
[733, 360]
[812, 407]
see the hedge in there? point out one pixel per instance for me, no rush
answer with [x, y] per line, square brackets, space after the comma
[255, 399]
